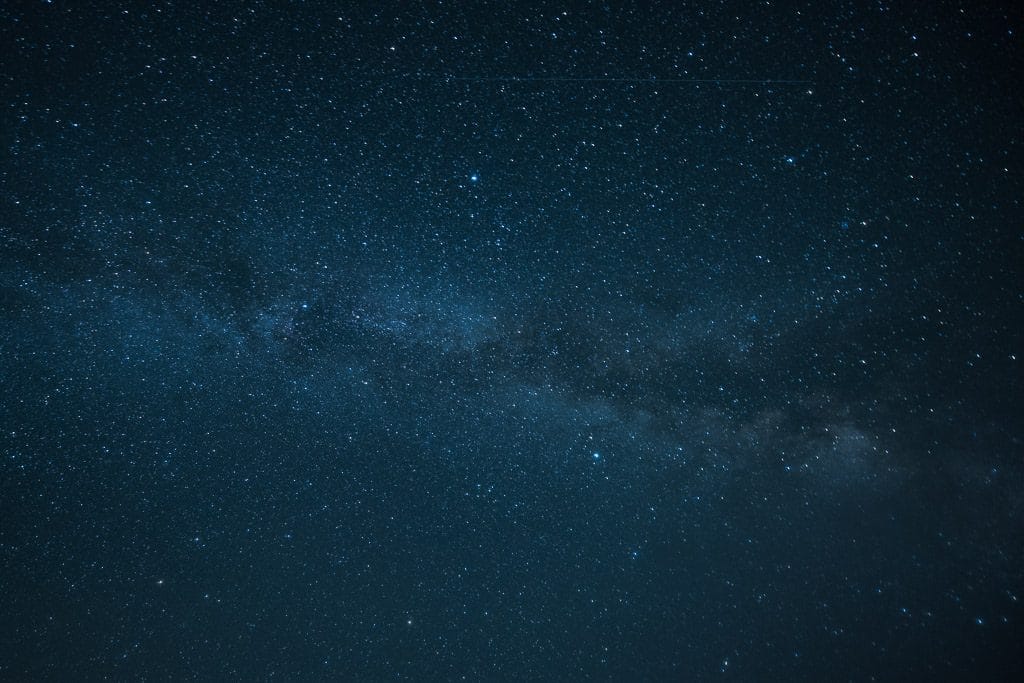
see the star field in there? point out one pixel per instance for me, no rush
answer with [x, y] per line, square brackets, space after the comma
[472, 341]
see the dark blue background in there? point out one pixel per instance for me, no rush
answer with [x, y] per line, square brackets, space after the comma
[448, 341]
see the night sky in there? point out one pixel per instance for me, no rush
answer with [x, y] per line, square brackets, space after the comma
[452, 341]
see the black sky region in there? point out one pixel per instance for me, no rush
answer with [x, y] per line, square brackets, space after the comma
[556, 341]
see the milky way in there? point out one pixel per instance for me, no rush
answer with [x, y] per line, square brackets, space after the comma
[465, 342]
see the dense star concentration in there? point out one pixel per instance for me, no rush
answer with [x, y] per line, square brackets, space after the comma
[463, 341]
